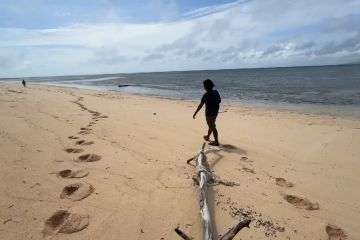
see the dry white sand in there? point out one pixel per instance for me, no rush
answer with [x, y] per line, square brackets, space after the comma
[126, 174]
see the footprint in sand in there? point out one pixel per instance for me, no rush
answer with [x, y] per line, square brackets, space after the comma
[301, 203]
[64, 221]
[85, 129]
[73, 150]
[88, 158]
[68, 173]
[249, 170]
[72, 137]
[77, 191]
[246, 159]
[84, 132]
[282, 182]
[335, 233]
[84, 143]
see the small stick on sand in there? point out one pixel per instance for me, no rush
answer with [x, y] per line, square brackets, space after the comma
[182, 234]
[233, 231]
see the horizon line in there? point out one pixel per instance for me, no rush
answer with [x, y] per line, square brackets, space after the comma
[194, 70]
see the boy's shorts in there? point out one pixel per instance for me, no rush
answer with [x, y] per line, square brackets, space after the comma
[210, 120]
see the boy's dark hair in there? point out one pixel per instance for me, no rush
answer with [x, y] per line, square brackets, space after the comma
[208, 84]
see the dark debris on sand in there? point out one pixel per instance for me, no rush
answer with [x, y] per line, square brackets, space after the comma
[271, 228]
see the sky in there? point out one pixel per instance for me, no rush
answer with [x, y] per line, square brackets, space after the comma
[74, 37]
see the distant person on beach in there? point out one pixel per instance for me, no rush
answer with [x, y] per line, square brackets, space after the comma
[212, 100]
[23, 83]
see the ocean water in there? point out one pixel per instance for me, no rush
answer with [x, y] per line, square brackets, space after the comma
[333, 90]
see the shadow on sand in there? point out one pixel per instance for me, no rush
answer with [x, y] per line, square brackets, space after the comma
[232, 149]
[223, 147]
[226, 148]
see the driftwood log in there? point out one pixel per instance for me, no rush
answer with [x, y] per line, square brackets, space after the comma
[202, 173]
[203, 178]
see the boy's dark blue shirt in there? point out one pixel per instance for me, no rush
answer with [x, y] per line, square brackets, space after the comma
[212, 102]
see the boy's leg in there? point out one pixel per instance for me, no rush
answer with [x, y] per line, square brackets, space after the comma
[210, 123]
[215, 132]
[209, 133]
[212, 128]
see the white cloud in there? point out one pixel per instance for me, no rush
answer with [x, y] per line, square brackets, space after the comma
[204, 11]
[255, 33]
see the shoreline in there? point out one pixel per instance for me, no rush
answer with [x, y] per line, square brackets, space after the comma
[351, 113]
[325, 90]
[298, 173]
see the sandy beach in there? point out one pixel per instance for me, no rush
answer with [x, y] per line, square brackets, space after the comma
[84, 164]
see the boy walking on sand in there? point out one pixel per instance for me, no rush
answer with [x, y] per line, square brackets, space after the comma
[212, 100]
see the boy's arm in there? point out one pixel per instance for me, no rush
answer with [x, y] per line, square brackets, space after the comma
[198, 109]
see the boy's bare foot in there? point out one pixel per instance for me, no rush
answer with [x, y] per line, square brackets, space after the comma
[214, 143]
[206, 138]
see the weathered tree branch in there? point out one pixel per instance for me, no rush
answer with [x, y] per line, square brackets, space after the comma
[203, 178]
[202, 173]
